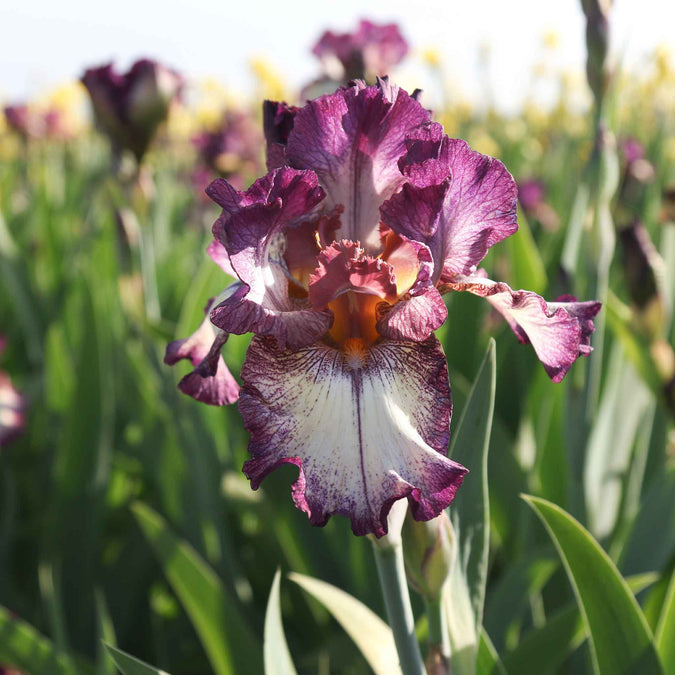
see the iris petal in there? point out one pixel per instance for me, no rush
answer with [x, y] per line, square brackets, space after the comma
[362, 433]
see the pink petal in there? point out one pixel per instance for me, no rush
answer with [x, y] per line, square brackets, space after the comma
[560, 332]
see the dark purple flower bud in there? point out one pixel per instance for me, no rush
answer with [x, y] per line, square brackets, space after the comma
[129, 108]
[642, 264]
[373, 49]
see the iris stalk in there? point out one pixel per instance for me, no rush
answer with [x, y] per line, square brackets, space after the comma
[391, 572]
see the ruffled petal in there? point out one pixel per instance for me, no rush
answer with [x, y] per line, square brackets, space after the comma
[458, 202]
[343, 267]
[415, 317]
[353, 139]
[362, 433]
[210, 382]
[420, 309]
[560, 331]
[251, 229]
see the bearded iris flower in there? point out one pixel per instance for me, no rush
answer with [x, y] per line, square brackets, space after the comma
[342, 252]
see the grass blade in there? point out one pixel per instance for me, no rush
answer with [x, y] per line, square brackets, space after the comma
[229, 644]
[470, 518]
[129, 665]
[277, 657]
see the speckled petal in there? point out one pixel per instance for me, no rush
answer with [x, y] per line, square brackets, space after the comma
[459, 216]
[362, 434]
[353, 139]
[560, 331]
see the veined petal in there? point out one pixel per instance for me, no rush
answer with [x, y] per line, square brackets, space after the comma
[559, 331]
[459, 216]
[352, 139]
[251, 229]
[363, 433]
[210, 382]
[415, 317]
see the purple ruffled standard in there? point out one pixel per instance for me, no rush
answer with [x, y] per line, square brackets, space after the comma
[342, 253]
[130, 107]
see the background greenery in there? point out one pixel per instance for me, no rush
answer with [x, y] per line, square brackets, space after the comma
[124, 516]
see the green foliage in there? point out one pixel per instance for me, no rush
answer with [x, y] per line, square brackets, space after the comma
[111, 444]
[470, 519]
[278, 659]
[621, 641]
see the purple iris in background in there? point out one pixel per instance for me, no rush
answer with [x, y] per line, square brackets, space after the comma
[130, 107]
[371, 50]
[232, 149]
[12, 406]
[369, 213]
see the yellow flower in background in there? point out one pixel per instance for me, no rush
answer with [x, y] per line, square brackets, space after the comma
[663, 60]
[431, 56]
[271, 84]
[70, 101]
[482, 142]
[551, 39]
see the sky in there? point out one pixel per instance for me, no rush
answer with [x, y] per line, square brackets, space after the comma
[45, 44]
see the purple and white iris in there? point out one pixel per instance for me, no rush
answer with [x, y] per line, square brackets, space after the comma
[369, 213]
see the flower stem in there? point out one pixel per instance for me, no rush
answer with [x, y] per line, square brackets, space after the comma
[391, 571]
[439, 637]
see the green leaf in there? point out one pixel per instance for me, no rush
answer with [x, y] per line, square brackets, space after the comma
[372, 635]
[562, 633]
[636, 346]
[510, 597]
[470, 518]
[21, 646]
[620, 638]
[488, 662]
[527, 267]
[620, 416]
[106, 632]
[278, 659]
[129, 665]
[227, 640]
[651, 541]
[665, 631]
